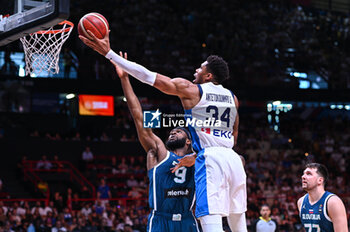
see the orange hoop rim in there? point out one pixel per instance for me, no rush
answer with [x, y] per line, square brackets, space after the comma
[58, 30]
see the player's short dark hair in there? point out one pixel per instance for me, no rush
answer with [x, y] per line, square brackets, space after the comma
[218, 67]
[321, 170]
[264, 205]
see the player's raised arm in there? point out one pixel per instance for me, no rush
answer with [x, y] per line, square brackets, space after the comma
[147, 138]
[178, 86]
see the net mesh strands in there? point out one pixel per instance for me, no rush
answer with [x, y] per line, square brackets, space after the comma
[42, 48]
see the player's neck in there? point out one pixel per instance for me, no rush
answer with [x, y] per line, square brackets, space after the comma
[211, 81]
[180, 151]
[315, 195]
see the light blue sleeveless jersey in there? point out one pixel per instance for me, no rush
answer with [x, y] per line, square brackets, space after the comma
[315, 217]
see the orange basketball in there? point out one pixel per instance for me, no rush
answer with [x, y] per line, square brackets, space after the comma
[95, 23]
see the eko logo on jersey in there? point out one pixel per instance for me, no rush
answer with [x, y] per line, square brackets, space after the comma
[218, 132]
[151, 119]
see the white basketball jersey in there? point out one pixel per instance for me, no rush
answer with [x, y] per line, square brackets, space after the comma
[212, 119]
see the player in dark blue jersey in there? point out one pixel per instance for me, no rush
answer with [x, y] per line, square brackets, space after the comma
[320, 210]
[171, 195]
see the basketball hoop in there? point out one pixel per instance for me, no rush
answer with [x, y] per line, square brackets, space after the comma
[42, 48]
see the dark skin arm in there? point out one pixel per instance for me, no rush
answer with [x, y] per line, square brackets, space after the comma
[184, 89]
[153, 145]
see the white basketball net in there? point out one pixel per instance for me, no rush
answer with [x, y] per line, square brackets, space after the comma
[42, 49]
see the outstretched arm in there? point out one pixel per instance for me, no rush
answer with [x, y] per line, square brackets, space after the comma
[178, 86]
[147, 138]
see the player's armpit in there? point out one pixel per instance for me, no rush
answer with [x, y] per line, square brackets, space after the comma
[156, 153]
[161, 149]
[146, 141]
[337, 213]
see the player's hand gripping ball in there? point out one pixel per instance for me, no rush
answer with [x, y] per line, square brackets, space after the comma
[95, 23]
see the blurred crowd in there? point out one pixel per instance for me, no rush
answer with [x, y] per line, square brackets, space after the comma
[275, 160]
[263, 41]
[274, 165]
[53, 217]
[260, 40]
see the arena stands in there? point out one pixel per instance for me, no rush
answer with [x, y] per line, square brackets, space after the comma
[274, 163]
[263, 41]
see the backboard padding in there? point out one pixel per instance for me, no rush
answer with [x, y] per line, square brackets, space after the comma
[31, 20]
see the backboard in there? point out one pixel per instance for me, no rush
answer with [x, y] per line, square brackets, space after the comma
[29, 16]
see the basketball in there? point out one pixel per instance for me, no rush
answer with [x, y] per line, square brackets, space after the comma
[94, 22]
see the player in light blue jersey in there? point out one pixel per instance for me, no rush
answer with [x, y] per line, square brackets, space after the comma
[171, 194]
[320, 210]
[219, 173]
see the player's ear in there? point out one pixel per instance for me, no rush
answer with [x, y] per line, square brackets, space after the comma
[189, 144]
[320, 180]
[209, 77]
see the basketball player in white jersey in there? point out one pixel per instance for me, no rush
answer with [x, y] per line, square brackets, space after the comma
[219, 174]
